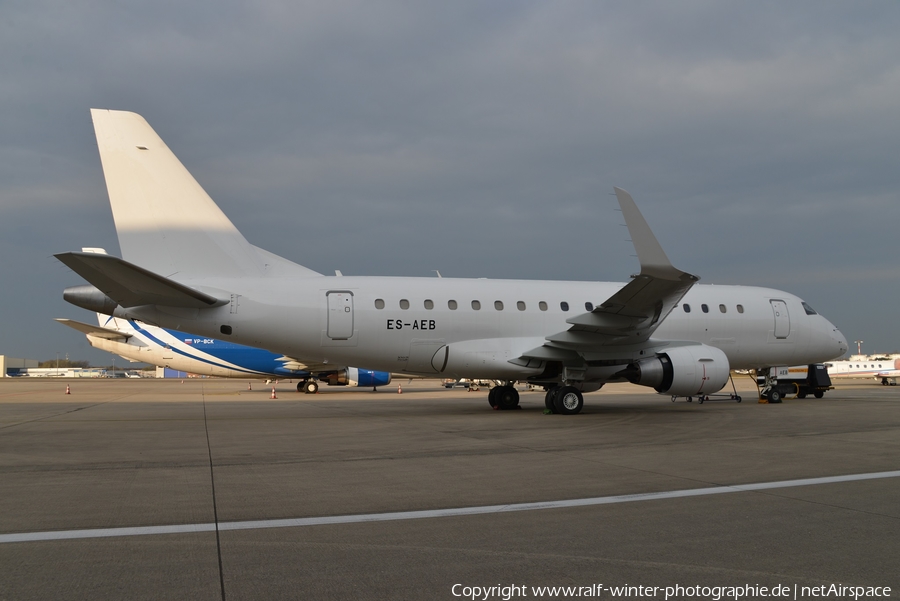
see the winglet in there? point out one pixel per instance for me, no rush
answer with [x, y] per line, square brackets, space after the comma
[653, 258]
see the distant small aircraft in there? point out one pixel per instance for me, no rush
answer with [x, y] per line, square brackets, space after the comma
[886, 369]
[142, 342]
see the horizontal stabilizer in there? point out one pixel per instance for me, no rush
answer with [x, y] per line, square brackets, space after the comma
[132, 286]
[99, 332]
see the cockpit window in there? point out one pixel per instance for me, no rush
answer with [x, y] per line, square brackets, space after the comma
[809, 310]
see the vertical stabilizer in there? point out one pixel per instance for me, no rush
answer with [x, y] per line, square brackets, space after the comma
[165, 221]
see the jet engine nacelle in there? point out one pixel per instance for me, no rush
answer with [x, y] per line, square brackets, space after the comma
[352, 376]
[684, 371]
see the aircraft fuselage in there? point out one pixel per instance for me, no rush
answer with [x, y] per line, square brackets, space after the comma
[338, 320]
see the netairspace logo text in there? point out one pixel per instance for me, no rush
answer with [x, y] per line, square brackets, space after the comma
[715, 593]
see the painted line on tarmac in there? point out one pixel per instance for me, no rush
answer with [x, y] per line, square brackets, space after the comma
[430, 513]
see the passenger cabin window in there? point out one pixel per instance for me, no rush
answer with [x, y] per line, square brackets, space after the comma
[809, 310]
[704, 308]
[451, 304]
[476, 305]
[542, 306]
[564, 306]
[404, 304]
[722, 308]
[520, 305]
[740, 308]
[588, 306]
[686, 307]
[429, 304]
[498, 305]
[379, 303]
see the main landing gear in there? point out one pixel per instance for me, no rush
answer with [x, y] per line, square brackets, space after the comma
[565, 400]
[504, 397]
[308, 386]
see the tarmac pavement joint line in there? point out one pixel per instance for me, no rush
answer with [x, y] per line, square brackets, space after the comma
[430, 513]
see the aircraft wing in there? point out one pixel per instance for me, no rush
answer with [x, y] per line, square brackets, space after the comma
[100, 332]
[131, 286]
[292, 364]
[632, 314]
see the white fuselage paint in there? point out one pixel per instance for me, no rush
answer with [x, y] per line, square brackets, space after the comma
[172, 354]
[294, 320]
[865, 368]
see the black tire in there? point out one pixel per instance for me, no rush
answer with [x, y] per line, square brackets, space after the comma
[300, 386]
[548, 398]
[492, 396]
[568, 401]
[507, 398]
[774, 397]
[310, 387]
[819, 394]
[801, 395]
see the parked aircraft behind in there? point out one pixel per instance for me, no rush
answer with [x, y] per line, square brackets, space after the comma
[185, 266]
[145, 343]
[886, 369]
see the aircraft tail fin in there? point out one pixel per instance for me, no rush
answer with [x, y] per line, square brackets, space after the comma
[165, 221]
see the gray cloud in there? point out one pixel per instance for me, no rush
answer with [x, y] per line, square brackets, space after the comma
[481, 139]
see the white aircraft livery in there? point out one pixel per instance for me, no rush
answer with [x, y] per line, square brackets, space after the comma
[145, 343]
[186, 267]
[886, 369]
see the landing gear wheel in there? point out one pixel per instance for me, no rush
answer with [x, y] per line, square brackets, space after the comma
[310, 387]
[568, 401]
[506, 398]
[773, 396]
[492, 396]
[549, 398]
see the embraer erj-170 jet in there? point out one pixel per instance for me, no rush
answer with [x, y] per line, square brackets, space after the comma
[185, 266]
[142, 342]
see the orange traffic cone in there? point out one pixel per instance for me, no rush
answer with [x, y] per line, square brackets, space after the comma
[67, 389]
[273, 393]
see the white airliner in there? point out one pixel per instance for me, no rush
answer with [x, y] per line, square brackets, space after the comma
[145, 343]
[886, 369]
[185, 266]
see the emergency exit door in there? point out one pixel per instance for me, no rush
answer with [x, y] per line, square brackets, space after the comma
[782, 318]
[340, 315]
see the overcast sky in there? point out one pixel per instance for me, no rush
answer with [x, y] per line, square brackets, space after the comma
[482, 139]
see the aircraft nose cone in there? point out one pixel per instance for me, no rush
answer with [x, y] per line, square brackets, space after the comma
[841, 342]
